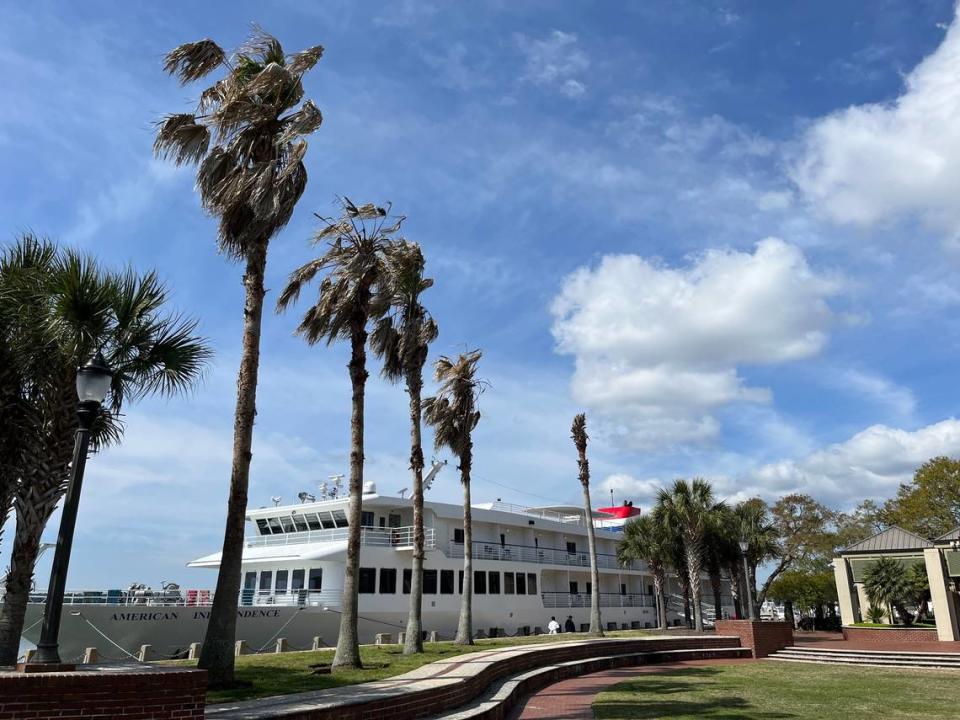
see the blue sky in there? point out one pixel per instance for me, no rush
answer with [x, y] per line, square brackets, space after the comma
[727, 231]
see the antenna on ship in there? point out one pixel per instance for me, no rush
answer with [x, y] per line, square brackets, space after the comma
[337, 485]
[276, 500]
[324, 490]
[306, 497]
[435, 466]
[402, 491]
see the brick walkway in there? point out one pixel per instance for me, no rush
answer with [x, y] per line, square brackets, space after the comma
[835, 641]
[572, 699]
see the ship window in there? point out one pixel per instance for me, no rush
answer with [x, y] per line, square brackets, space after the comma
[262, 526]
[623, 588]
[339, 518]
[589, 588]
[316, 579]
[388, 581]
[313, 522]
[479, 582]
[296, 581]
[574, 589]
[250, 581]
[493, 583]
[366, 519]
[368, 580]
[446, 582]
[458, 535]
[531, 583]
[649, 589]
[275, 525]
[521, 584]
[429, 582]
[326, 520]
[383, 521]
[571, 547]
[287, 524]
[407, 580]
[460, 581]
[282, 581]
[300, 523]
[266, 581]
[508, 583]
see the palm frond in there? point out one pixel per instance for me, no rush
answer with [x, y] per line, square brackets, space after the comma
[181, 138]
[301, 62]
[192, 61]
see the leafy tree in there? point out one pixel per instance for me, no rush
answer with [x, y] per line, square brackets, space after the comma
[579, 434]
[453, 414]
[401, 339]
[61, 309]
[804, 536]
[918, 589]
[850, 528]
[886, 584]
[808, 591]
[645, 539]
[928, 505]
[348, 298]
[688, 507]
[246, 139]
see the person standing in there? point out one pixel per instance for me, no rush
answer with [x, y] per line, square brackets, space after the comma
[553, 627]
[568, 626]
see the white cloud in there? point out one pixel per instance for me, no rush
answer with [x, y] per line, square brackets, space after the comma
[555, 61]
[875, 162]
[657, 348]
[871, 464]
[880, 390]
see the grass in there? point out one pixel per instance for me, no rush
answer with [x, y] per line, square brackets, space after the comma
[766, 690]
[285, 673]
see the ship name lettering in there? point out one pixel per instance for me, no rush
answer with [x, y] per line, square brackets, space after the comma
[143, 616]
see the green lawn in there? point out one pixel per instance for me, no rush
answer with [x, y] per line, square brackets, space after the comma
[273, 674]
[769, 689]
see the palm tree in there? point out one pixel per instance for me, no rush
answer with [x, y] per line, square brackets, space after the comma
[578, 432]
[689, 507]
[887, 584]
[644, 539]
[66, 310]
[348, 298]
[246, 139]
[754, 527]
[718, 546]
[401, 339]
[453, 414]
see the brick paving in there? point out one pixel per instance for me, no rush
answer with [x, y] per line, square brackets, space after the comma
[573, 699]
[835, 641]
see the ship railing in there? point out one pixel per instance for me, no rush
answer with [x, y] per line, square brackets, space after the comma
[543, 556]
[582, 600]
[194, 598]
[398, 538]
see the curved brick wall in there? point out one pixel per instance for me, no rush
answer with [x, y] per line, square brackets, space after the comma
[880, 636]
[763, 637]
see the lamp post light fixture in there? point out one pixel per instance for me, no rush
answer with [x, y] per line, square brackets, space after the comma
[93, 384]
[744, 546]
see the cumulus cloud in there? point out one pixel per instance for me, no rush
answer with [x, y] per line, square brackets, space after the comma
[555, 61]
[657, 348]
[872, 463]
[874, 162]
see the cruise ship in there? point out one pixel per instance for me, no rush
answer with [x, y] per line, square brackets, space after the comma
[529, 564]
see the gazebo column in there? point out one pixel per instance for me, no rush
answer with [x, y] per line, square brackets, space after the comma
[849, 602]
[944, 602]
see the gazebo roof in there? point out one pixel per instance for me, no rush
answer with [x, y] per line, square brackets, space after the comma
[893, 539]
[950, 535]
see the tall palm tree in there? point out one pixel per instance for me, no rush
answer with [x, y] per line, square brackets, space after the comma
[689, 507]
[347, 299]
[644, 539]
[453, 414]
[754, 527]
[67, 309]
[402, 339]
[246, 139]
[578, 432]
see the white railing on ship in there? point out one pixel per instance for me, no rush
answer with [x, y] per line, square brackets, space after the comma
[401, 537]
[542, 556]
[193, 598]
[580, 600]
[553, 515]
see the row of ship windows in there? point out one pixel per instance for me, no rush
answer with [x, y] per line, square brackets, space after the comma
[323, 520]
[313, 579]
[484, 582]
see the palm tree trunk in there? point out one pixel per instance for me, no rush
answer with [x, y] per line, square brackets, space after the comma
[348, 645]
[465, 625]
[693, 570]
[658, 589]
[733, 572]
[753, 592]
[716, 584]
[23, 555]
[414, 639]
[685, 586]
[217, 653]
[596, 626]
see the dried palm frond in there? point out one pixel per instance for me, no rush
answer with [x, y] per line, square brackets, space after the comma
[192, 61]
[181, 138]
[304, 60]
[303, 122]
[263, 46]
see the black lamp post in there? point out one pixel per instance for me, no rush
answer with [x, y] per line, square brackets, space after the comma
[744, 546]
[93, 383]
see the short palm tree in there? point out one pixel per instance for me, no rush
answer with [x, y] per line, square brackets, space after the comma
[689, 507]
[246, 139]
[402, 339]
[753, 526]
[887, 584]
[68, 309]
[578, 432]
[645, 540]
[453, 414]
[347, 299]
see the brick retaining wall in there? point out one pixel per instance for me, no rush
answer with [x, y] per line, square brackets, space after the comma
[131, 692]
[763, 637]
[881, 636]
